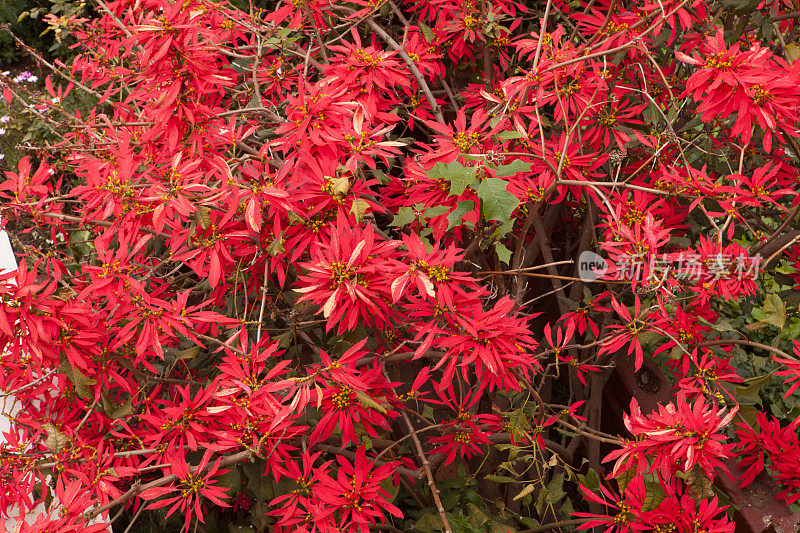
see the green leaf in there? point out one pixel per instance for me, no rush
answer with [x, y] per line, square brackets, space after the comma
[499, 527]
[555, 489]
[509, 134]
[623, 478]
[259, 517]
[525, 491]
[541, 499]
[518, 423]
[748, 394]
[503, 253]
[435, 211]
[504, 228]
[500, 479]
[459, 176]
[203, 216]
[723, 324]
[359, 208]
[82, 383]
[55, 441]
[790, 297]
[792, 52]
[699, 484]
[528, 522]
[429, 523]
[232, 480]
[456, 216]
[368, 402]
[81, 243]
[276, 246]
[775, 310]
[405, 215]
[476, 516]
[591, 480]
[427, 32]
[381, 175]
[654, 494]
[515, 167]
[498, 203]
[755, 326]
[648, 337]
[116, 411]
[390, 488]
[259, 483]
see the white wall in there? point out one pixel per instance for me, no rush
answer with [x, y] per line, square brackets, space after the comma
[8, 263]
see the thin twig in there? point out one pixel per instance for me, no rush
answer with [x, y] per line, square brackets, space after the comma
[437, 111]
[29, 385]
[427, 467]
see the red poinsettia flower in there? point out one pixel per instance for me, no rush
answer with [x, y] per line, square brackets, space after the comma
[194, 483]
[676, 436]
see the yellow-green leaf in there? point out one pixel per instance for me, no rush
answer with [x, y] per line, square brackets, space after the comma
[368, 402]
[792, 52]
[55, 441]
[525, 491]
[359, 208]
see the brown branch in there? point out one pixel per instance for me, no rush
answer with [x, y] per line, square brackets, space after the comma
[556, 525]
[745, 342]
[786, 16]
[427, 468]
[437, 111]
[166, 480]
[310, 15]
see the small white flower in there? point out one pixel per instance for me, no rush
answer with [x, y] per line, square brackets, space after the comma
[6, 73]
[56, 100]
[2, 131]
[2, 156]
[33, 79]
[50, 171]
[5, 118]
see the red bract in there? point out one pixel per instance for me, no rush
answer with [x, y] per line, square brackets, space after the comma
[453, 141]
[27, 322]
[466, 433]
[357, 493]
[680, 510]
[344, 406]
[494, 341]
[346, 278]
[792, 370]
[347, 250]
[676, 436]
[629, 331]
[430, 272]
[194, 483]
[627, 508]
[771, 445]
[749, 83]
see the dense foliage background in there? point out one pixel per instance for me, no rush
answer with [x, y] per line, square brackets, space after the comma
[314, 265]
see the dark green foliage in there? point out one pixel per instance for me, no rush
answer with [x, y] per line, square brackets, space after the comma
[28, 29]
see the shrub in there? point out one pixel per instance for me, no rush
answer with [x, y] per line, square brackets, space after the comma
[333, 267]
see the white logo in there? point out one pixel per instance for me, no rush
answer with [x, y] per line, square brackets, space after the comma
[591, 266]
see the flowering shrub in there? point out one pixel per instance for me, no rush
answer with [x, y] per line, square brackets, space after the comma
[15, 121]
[323, 267]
